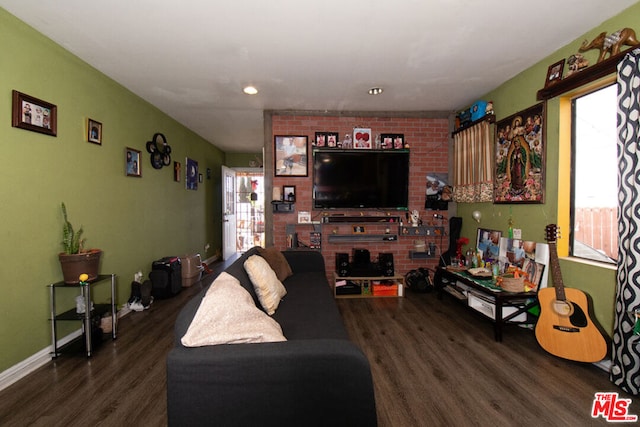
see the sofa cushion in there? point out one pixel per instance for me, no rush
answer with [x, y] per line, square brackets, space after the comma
[228, 315]
[277, 262]
[269, 289]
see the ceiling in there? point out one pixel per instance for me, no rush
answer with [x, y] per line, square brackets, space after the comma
[191, 58]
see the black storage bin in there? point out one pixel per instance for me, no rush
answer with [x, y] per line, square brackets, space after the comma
[166, 277]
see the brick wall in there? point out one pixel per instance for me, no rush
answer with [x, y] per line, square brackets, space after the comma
[429, 140]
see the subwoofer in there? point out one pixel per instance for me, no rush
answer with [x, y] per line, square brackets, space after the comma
[385, 264]
[343, 268]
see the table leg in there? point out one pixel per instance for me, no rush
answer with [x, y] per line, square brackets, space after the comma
[498, 320]
[54, 330]
[87, 318]
[114, 312]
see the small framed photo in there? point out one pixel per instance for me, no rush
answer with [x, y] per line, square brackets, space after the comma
[358, 229]
[554, 73]
[386, 141]
[398, 142]
[321, 140]
[304, 217]
[488, 243]
[132, 164]
[289, 193]
[332, 140]
[94, 131]
[34, 114]
[362, 138]
[392, 141]
[291, 158]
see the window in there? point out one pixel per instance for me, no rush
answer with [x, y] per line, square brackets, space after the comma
[594, 206]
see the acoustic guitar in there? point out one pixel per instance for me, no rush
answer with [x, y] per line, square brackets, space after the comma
[565, 328]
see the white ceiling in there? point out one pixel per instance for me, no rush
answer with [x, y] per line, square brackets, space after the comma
[191, 58]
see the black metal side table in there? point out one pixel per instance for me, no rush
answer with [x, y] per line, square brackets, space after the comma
[84, 317]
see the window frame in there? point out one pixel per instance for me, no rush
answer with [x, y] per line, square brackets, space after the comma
[566, 167]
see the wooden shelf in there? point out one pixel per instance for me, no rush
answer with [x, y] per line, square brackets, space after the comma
[580, 78]
[420, 230]
[421, 255]
[345, 219]
[491, 118]
[279, 206]
[338, 238]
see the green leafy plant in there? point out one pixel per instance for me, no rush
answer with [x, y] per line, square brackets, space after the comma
[71, 240]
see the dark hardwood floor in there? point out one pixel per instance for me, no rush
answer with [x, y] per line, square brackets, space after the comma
[434, 363]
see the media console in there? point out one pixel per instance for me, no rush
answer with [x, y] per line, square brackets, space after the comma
[500, 306]
[367, 287]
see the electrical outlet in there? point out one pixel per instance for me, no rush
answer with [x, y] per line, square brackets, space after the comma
[517, 233]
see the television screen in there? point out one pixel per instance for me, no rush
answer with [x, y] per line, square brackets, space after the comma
[361, 179]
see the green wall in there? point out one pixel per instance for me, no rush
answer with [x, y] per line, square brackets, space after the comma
[520, 93]
[134, 220]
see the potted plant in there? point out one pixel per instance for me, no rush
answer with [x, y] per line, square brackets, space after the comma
[76, 260]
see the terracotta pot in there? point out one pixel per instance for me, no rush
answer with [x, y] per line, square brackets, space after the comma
[74, 265]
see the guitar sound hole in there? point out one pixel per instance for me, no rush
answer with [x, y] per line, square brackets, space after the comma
[563, 308]
[577, 317]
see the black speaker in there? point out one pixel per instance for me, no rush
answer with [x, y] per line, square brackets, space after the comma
[361, 257]
[385, 264]
[343, 269]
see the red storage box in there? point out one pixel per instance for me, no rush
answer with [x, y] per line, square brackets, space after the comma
[382, 288]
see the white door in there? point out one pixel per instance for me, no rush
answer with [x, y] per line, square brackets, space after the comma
[228, 212]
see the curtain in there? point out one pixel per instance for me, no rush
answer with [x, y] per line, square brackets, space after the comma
[625, 369]
[472, 164]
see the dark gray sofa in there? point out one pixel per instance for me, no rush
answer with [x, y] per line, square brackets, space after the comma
[317, 377]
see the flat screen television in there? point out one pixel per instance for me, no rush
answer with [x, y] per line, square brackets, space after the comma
[361, 179]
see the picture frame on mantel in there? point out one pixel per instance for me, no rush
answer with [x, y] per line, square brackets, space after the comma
[34, 114]
[520, 148]
[362, 138]
[291, 155]
[554, 73]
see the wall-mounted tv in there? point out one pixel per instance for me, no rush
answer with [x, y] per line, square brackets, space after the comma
[361, 179]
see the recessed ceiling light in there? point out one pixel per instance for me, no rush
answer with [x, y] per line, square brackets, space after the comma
[250, 90]
[375, 91]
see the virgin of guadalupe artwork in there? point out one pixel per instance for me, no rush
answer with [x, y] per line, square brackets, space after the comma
[520, 155]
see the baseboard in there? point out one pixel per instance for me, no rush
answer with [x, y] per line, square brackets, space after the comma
[211, 260]
[604, 364]
[41, 358]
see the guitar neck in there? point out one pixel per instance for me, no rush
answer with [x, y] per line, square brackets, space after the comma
[556, 275]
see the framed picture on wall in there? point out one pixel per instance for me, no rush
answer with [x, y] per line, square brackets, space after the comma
[520, 157]
[34, 114]
[132, 162]
[177, 170]
[191, 174]
[94, 131]
[290, 155]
